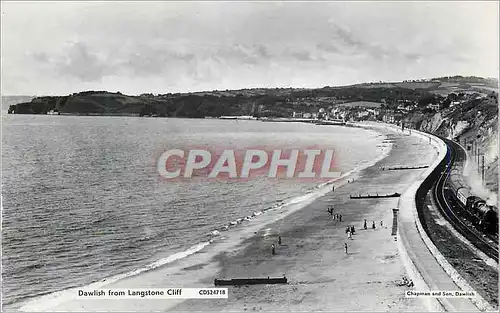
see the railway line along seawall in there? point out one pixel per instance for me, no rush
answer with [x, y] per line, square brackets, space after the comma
[428, 268]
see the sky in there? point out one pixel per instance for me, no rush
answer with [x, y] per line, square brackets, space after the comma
[57, 48]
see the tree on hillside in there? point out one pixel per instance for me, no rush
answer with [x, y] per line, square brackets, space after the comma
[453, 96]
[426, 100]
[445, 104]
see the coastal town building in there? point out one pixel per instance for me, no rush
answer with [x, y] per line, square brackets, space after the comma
[373, 112]
[433, 106]
[392, 118]
[362, 114]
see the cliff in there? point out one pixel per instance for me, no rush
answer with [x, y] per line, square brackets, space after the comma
[475, 125]
[98, 102]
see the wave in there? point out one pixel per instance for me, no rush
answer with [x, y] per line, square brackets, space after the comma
[49, 301]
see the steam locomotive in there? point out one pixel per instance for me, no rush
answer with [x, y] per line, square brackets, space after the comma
[485, 216]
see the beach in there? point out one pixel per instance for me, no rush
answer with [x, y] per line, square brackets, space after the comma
[321, 275]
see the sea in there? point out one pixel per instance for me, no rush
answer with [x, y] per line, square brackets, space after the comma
[82, 200]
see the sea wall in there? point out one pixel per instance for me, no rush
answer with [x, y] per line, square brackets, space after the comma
[423, 280]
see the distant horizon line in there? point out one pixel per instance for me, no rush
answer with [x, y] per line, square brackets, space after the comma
[252, 88]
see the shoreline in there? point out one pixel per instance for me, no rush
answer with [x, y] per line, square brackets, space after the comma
[222, 118]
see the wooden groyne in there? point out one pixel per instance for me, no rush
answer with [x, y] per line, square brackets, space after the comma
[374, 196]
[394, 222]
[398, 168]
[249, 281]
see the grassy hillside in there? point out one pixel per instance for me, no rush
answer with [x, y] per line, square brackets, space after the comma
[272, 102]
[443, 85]
[361, 104]
[474, 122]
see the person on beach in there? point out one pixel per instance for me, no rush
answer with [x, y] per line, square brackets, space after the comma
[349, 234]
[352, 230]
[340, 217]
[333, 188]
[381, 223]
[273, 248]
[364, 225]
[279, 240]
[373, 225]
[347, 229]
[404, 281]
[345, 246]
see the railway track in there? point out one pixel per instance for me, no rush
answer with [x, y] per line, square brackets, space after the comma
[451, 208]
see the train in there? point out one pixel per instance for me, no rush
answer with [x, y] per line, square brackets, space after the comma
[483, 215]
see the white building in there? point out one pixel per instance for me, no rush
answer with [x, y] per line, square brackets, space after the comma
[434, 106]
[363, 113]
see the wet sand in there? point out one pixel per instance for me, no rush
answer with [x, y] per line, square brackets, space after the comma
[321, 275]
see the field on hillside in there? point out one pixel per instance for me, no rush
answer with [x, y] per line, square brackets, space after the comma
[376, 85]
[485, 88]
[448, 85]
[418, 85]
[364, 104]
